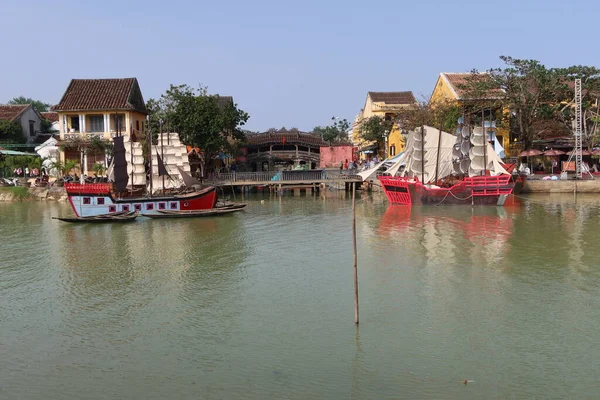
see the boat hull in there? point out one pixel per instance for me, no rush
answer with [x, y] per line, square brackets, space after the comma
[483, 190]
[116, 217]
[90, 200]
[196, 214]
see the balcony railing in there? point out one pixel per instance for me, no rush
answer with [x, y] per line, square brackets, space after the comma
[87, 135]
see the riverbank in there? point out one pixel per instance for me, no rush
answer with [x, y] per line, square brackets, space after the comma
[21, 193]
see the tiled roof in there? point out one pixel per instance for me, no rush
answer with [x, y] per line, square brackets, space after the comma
[10, 112]
[393, 97]
[102, 94]
[291, 137]
[50, 116]
[458, 80]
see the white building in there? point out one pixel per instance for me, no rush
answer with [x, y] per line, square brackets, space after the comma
[26, 116]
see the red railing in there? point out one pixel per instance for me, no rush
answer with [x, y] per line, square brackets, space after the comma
[396, 189]
[489, 185]
[88, 188]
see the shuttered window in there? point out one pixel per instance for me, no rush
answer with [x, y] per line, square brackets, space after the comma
[96, 123]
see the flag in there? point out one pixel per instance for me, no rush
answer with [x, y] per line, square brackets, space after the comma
[283, 140]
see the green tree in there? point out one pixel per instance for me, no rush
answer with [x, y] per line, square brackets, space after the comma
[46, 126]
[63, 168]
[533, 94]
[375, 129]
[37, 104]
[441, 114]
[199, 118]
[336, 132]
[11, 132]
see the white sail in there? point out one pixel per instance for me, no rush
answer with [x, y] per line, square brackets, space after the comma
[483, 156]
[174, 156]
[134, 156]
[425, 160]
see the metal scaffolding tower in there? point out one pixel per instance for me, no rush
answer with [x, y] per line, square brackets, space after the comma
[578, 133]
[578, 130]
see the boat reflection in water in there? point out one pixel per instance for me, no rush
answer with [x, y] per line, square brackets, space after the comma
[450, 234]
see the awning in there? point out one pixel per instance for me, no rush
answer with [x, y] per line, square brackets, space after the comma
[16, 153]
[368, 149]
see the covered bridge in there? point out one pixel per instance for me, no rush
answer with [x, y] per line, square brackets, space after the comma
[282, 149]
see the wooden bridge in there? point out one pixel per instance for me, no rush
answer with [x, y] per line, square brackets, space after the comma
[281, 178]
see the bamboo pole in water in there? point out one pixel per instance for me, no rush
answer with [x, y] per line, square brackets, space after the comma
[354, 247]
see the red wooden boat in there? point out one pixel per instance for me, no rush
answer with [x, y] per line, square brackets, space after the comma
[95, 199]
[89, 200]
[476, 190]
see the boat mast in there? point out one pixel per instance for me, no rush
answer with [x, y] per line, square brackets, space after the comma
[131, 154]
[149, 140]
[422, 154]
[162, 156]
[485, 141]
[437, 162]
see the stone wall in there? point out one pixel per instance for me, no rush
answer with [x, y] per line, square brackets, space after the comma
[571, 186]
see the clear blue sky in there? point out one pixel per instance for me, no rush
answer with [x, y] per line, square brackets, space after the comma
[292, 64]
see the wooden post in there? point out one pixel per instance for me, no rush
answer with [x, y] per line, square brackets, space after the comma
[355, 258]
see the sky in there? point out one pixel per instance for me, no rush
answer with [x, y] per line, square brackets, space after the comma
[288, 64]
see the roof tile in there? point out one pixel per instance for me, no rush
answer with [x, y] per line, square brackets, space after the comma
[102, 94]
[9, 112]
[393, 97]
[50, 116]
[458, 80]
[291, 137]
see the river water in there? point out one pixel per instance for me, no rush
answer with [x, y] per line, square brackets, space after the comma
[260, 304]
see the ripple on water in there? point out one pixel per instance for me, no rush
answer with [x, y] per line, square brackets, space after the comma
[260, 304]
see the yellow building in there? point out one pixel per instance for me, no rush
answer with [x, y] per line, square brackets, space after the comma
[99, 108]
[450, 88]
[387, 105]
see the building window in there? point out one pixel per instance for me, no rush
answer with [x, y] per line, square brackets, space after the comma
[150, 206]
[125, 207]
[138, 207]
[96, 123]
[75, 123]
[100, 201]
[173, 206]
[32, 128]
[118, 125]
[392, 150]
[137, 125]
[87, 200]
[162, 206]
[112, 208]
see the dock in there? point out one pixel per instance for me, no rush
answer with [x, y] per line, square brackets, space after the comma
[281, 179]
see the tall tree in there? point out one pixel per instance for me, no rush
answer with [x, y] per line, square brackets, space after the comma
[441, 114]
[11, 132]
[199, 118]
[37, 104]
[336, 132]
[533, 94]
[375, 129]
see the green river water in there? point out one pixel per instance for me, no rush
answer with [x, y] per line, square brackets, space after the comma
[259, 305]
